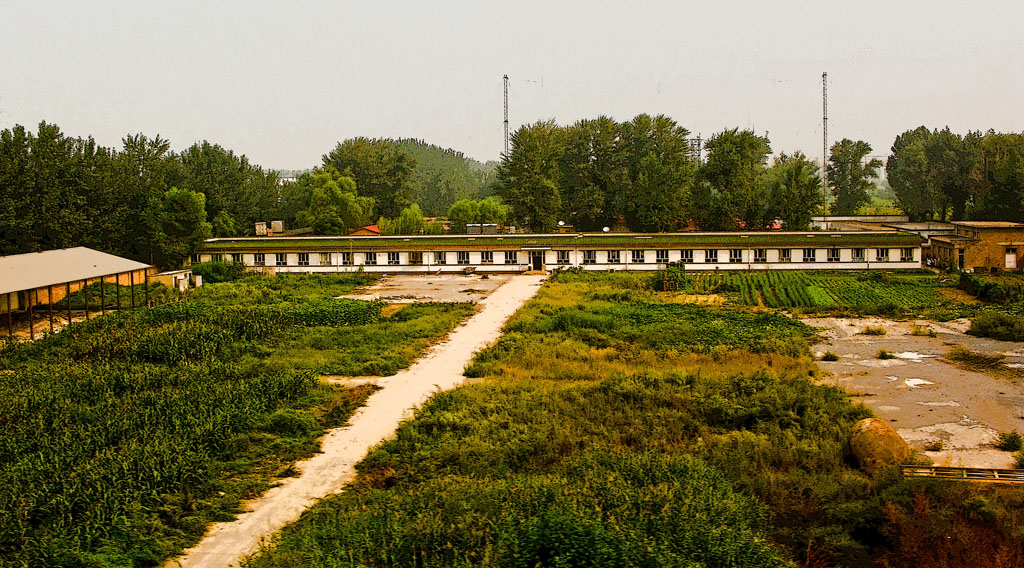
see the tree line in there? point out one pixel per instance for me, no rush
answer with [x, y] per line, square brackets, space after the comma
[938, 174]
[646, 175]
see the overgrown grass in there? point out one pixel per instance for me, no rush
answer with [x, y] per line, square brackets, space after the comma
[1009, 441]
[870, 330]
[607, 432]
[125, 436]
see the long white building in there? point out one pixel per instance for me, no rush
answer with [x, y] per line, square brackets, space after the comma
[864, 250]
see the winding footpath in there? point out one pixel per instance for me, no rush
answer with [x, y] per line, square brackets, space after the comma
[227, 544]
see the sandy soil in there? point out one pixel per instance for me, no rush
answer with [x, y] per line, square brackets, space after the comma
[926, 398]
[226, 544]
[406, 288]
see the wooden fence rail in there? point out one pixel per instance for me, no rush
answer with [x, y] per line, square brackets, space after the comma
[983, 474]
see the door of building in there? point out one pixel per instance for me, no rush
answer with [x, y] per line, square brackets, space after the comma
[537, 259]
[1011, 259]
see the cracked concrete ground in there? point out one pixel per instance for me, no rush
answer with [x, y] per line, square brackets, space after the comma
[925, 397]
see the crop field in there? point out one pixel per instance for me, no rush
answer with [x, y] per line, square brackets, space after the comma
[610, 426]
[126, 435]
[898, 293]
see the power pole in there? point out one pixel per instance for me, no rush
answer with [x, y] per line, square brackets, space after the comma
[506, 116]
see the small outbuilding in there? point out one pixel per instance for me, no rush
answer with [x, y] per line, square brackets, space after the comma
[981, 246]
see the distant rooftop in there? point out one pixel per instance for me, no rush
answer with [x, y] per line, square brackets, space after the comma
[39, 269]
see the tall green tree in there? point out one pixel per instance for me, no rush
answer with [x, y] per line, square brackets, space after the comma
[997, 179]
[736, 159]
[659, 172]
[180, 219]
[409, 222]
[335, 206]
[908, 172]
[850, 174]
[794, 191]
[381, 169]
[442, 176]
[592, 174]
[528, 176]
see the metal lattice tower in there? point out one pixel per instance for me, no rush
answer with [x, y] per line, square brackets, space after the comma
[506, 116]
[824, 129]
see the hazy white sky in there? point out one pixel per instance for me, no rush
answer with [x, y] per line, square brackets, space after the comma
[282, 82]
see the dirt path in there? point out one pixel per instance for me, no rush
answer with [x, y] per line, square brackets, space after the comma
[226, 544]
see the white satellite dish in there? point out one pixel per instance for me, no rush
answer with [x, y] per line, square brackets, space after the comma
[561, 223]
[606, 229]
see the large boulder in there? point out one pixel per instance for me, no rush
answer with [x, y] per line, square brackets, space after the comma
[877, 445]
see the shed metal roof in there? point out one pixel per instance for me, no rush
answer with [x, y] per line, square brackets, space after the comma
[40, 269]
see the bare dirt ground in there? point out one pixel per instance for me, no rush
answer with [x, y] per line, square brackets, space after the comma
[925, 397]
[226, 544]
[406, 288]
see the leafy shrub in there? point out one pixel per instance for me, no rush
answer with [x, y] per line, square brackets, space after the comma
[998, 325]
[934, 446]
[883, 354]
[217, 271]
[1009, 441]
[872, 331]
[830, 356]
[1018, 460]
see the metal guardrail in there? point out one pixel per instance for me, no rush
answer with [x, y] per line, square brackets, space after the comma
[990, 475]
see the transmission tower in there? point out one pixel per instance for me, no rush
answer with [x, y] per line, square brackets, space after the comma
[506, 116]
[824, 129]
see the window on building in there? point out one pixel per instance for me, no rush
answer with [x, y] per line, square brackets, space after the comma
[196, 258]
[217, 257]
[858, 255]
[760, 255]
[882, 255]
[907, 254]
[487, 257]
[562, 256]
[281, 259]
[416, 258]
[785, 255]
[711, 255]
[661, 256]
[393, 258]
[371, 258]
[833, 255]
[614, 257]
[590, 257]
[511, 257]
[637, 256]
[735, 255]
[303, 259]
[809, 255]
[440, 257]
[236, 258]
[686, 255]
[325, 259]
[463, 257]
[259, 259]
[960, 258]
[346, 259]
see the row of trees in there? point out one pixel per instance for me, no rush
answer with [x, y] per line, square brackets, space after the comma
[938, 174]
[596, 172]
[141, 201]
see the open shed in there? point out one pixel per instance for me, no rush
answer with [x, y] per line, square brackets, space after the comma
[33, 282]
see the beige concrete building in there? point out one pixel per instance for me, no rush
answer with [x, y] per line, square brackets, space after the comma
[981, 246]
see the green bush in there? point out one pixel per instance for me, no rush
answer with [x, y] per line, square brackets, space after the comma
[998, 325]
[883, 354]
[217, 271]
[1009, 441]
[873, 331]
[830, 356]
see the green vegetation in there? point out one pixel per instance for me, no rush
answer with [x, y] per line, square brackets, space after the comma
[218, 271]
[126, 435]
[830, 356]
[922, 331]
[1009, 441]
[1005, 319]
[895, 294]
[883, 354]
[606, 431]
[872, 330]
